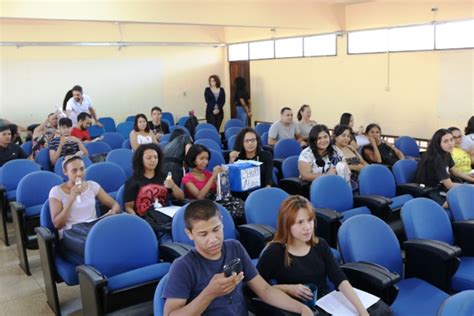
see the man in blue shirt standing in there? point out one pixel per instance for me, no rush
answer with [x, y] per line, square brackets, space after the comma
[197, 284]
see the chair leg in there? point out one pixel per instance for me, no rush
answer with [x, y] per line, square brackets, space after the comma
[21, 239]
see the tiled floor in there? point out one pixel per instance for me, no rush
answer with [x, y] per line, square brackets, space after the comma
[24, 295]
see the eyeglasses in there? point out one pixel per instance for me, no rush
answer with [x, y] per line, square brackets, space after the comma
[456, 137]
[250, 140]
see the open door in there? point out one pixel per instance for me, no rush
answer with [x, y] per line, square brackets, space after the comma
[238, 69]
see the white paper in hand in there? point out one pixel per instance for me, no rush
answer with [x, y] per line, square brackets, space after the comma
[168, 210]
[336, 303]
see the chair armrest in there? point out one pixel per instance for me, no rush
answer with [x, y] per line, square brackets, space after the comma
[278, 163]
[17, 207]
[414, 189]
[295, 186]
[262, 308]
[431, 260]
[254, 238]
[463, 236]
[378, 205]
[171, 251]
[2, 188]
[328, 225]
[91, 283]
[373, 278]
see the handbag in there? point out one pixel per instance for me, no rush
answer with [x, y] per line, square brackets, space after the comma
[74, 239]
[159, 222]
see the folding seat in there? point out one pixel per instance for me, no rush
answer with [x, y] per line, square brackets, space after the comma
[460, 304]
[373, 263]
[115, 140]
[408, 147]
[404, 172]
[209, 144]
[461, 202]
[27, 147]
[425, 221]
[126, 144]
[31, 193]
[182, 120]
[130, 118]
[108, 175]
[206, 126]
[123, 158]
[291, 181]
[233, 123]
[12, 172]
[122, 266]
[231, 131]
[95, 131]
[96, 149]
[169, 117]
[109, 124]
[208, 134]
[261, 128]
[216, 159]
[284, 148]
[43, 159]
[158, 301]
[125, 128]
[58, 166]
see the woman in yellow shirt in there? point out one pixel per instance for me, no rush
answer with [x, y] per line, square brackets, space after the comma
[462, 159]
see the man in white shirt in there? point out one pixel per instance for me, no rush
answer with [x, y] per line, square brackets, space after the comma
[80, 103]
[284, 128]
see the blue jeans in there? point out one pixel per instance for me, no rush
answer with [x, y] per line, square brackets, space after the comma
[241, 115]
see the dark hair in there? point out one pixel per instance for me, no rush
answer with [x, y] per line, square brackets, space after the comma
[345, 119]
[216, 79]
[83, 116]
[239, 141]
[199, 210]
[364, 154]
[77, 88]
[299, 115]
[339, 129]
[433, 152]
[284, 109]
[137, 161]
[453, 128]
[4, 128]
[135, 123]
[194, 151]
[312, 140]
[65, 121]
[66, 98]
[240, 84]
[470, 126]
[176, 133]
[370, 126]
[156, 108]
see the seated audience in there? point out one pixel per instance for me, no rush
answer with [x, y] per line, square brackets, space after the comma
[44, 133]
[436, 166]
[379, 151]
[348, 119]
[342, 139]
[468, 139]
[141, 133]
[156, 125]
[296, 257]
[305, 123]
[320, 157]
[65, 144]
[248, 146]
[462, 159]
[175, 152]
[284, 128]
[200, 183]
[84, 121]
[8, 150]
[199, 286]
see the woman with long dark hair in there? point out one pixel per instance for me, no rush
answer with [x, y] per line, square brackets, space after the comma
[215, 100]
[141, 133]
[242, 100]
[379, 151]
[342, 139]
[348, 120]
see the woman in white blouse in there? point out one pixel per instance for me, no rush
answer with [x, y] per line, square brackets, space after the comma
[141, 133]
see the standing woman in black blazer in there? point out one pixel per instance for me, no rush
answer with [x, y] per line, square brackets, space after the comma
[215, 99]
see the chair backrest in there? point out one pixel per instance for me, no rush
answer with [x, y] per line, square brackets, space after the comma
[377, 180]
[126, 144]
[107, 174]
[285, 148]
[172, 128]
[130, 118]
[42, 158]
[368, 238]
[209, 143]
[461, 202]
[109, 124]
[216, 159]
[120, 198]
[165, 138]
[262, 206]
[460, 304]
[125, 128]
[182, 120]
[58, 166]
[208, 134]
[261, 128]
[407, 146]
[98, 147]
[95, 131]
[34, 188]
[14, 170]
[169, 117]
[27, 147]
[233, 123]
[404, 171]
[264, 138]
[206, 126]
[46, 220]
[123, 158]
[231, 132]
[158, 300]
[425, 219]
[332, 192]
[178, 225]
[120, 243]
[115, 140]
[231, 142]
[289, 167]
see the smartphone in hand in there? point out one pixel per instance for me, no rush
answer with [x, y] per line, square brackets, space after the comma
[234, 266]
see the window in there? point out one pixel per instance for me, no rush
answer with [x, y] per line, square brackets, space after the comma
[370, 41]
[238, 52]
[411, 38]
[262, 50]
[455, 35]
[320, 45]
[289, 47]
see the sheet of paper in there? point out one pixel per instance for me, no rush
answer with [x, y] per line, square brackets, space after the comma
[168, 210]
[336, 303]
[252, 162]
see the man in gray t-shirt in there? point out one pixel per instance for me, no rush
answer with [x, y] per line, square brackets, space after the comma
[284, 128]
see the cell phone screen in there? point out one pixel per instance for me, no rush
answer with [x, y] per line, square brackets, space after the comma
[234, 266]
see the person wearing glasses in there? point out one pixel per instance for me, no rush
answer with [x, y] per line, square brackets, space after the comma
[462, 159]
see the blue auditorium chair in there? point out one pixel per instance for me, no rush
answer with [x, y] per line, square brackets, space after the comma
[125, 128]
[206, 126]
[58, 166]
[158, 300]
[209, 144]
[460, 304]
[108, 175]
[172, 128]
[122, 266]
[12, 172]
[98, 148]
[264, 138]
[130, 118]
[120, 198]
[231, 132]
[215, 160]
[109, 124]
[27, 147]
[31, 193]
[233, 123]
[123, 158]
[367, 245]
[43, 159]
[165, 138]
[408, 147]
[404, 171]
[291, 181]
[126, 144]
[208, 134]
[284, 148]
[425, 220]
[461, 202]
[115, 140]
[95, 131]
[261, 128]
[182, 120]
[231, 142]
[169, 117]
